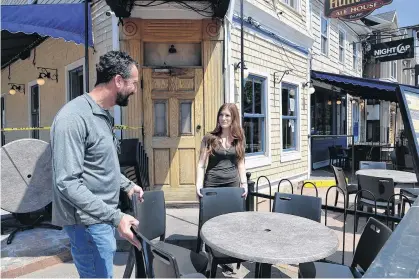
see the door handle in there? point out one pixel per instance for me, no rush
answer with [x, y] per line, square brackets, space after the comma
[198, 127]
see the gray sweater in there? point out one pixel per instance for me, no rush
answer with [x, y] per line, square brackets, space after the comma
[86, 172]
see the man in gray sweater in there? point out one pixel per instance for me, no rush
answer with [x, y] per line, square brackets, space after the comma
[86, 173]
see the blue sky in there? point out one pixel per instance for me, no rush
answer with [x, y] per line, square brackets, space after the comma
[407, 11]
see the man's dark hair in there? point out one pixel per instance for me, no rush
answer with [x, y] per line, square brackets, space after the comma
[113, 63]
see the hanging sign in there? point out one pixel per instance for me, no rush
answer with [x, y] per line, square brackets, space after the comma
[392, 50]
[352, 9]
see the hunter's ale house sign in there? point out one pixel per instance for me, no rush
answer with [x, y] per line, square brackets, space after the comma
[352, 9]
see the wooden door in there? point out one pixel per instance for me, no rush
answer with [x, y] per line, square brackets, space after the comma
[173, 126]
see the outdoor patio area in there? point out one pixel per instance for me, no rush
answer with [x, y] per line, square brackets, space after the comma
[45, 253]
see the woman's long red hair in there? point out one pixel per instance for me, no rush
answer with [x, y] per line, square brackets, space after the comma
[235, 129]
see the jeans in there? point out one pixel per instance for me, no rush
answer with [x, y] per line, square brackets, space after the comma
[93, 249]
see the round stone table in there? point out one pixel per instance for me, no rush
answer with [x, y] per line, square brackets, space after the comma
[269, 238]
[402, 177]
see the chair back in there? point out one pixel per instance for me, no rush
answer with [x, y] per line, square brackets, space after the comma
[151, 214]
[164, 263]
[372, 239]
[408, 161]
[216, 202]
[381, 188]
[134, 162]
[304, 206]
[332, 152]
[372, 165]
[340, 178]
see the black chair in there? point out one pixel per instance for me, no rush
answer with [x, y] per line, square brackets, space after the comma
[304, 206]
[215, 202]
[163, 262]
[372, 239]
[348, 189]
[377, 193]
[151, 214]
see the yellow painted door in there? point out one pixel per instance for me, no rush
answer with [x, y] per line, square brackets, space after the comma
[173, 123]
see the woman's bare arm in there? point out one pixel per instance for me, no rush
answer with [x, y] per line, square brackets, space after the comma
[200, 172]
[242, 173]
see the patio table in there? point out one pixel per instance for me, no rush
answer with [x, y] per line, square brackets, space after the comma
[269, 238]
[402, 177]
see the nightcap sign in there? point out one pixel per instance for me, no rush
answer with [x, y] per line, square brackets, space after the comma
[352, 9]
[393, 50]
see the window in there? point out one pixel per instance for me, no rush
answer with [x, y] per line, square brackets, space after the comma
[342, 46]
[289, 116]
[160, 118]
[254, 115]
[75, 78]
[186, 118]
[324, 35]
[355, 55]
[393, 69]
[292, 3]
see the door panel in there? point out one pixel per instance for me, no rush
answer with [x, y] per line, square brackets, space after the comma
[173, 105]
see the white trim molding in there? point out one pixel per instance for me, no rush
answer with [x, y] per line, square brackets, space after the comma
[256, 161]
[287, 156]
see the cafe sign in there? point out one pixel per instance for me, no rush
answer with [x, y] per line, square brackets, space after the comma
[352, 9]
[392, 50]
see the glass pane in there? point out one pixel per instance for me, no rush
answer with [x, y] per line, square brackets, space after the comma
[289, 97]
[324, 44]
[341, 56]
[34, 98]
[324, 26]
[186, 118]
[160, 123]
[248, 96]
[288, 133]
[76, 82]
[253, 129]
[258, 96]
[341, 38]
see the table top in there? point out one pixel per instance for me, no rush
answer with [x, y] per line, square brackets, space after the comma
[397, 176]
[272, 238]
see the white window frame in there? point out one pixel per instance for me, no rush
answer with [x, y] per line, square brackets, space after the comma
[327, 35]
[256, 161]
[342, 46]
[69, 68]
[29, 92]
[297, 7]
[292, 155]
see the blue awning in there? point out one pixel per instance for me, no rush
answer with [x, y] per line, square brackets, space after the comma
[64, 21]
[360, 87]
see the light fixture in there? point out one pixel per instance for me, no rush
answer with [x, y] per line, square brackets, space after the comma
[329, 102]
[172, 49]
[45, 73]
[311, 89]
[338, 102]
[238, 66]
[15, 87]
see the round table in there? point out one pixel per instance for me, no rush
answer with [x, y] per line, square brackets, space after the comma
[397, 176]
[269, 238]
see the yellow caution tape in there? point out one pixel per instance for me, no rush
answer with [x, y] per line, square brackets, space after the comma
[116, 127]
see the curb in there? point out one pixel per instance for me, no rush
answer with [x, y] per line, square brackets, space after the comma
[37, 265]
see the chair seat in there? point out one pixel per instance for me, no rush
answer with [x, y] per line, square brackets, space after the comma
[188, 261]
[380, 204]
[352, 188]
[326, 270]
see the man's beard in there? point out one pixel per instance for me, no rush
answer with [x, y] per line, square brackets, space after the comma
[121, 99]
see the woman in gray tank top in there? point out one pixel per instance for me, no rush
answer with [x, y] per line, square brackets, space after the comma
[222, 152]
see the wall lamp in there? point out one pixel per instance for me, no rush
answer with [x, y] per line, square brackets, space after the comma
[311, 89]
[16, 87]
[45, 73]
[238, 66]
